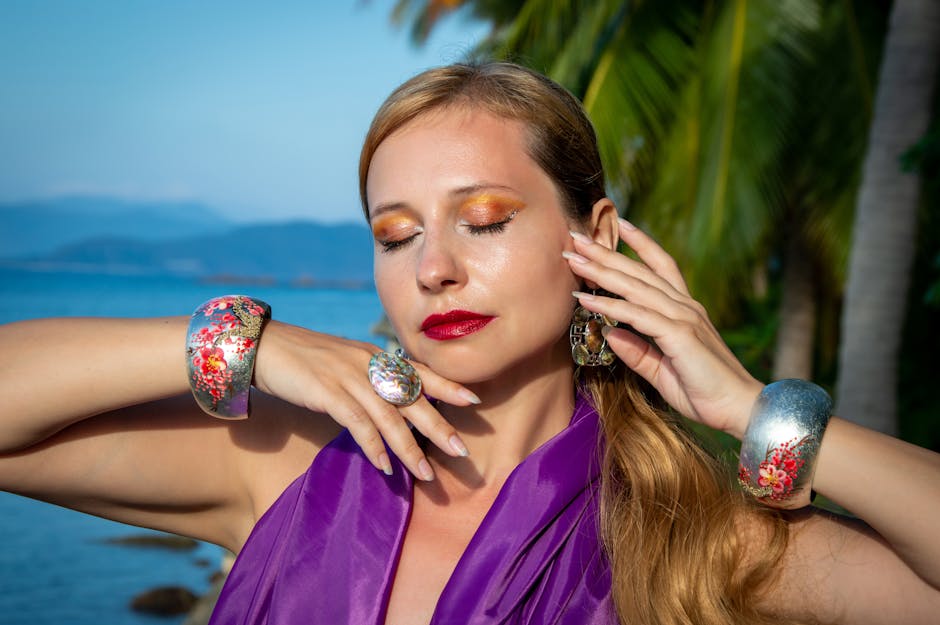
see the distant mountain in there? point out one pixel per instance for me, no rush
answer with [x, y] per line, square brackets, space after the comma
[41, 226]
[298, 251]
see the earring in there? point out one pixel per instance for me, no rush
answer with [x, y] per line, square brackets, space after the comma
[589, 348]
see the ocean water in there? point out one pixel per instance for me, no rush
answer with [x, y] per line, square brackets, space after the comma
[55, 568]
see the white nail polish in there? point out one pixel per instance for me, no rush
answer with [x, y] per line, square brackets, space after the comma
[424, 468]
[577, 236]
[468, 395]
[458, 446]
[385, 464]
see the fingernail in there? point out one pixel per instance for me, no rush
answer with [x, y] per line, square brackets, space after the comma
[577, 236]
[385, 463]
[587, 297]
[626, 224]
[424, 468]
[575, 257]
[606, 330]
[468, 395]
[458, 446]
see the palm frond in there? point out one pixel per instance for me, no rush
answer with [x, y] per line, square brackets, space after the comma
[634, 91]
[718, 189]
[824, 165]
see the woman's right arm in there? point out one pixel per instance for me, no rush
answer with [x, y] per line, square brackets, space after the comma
[56, 372]
[98, 417]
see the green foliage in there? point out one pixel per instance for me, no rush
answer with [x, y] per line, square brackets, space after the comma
[716, 190]
[726, 127]
[422, 15]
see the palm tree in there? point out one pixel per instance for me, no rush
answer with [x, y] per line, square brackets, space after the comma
[886, 217]
[822, 170]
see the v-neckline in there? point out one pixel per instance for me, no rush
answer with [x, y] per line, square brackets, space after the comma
[497, 534]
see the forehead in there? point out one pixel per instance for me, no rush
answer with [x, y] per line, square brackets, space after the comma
[451, 147]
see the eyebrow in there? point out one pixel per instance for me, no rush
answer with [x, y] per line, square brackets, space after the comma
[459, 192]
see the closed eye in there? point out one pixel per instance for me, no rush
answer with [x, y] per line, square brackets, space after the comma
[391, 245]
[495, 227]
[396, 244]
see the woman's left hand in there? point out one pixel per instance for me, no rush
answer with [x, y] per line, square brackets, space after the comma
[686, 359]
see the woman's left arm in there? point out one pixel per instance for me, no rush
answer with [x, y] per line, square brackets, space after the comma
[891, 485]
[881, 567]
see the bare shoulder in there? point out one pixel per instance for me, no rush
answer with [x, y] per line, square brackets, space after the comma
[168, 466]
[275, 446]
[836, 569]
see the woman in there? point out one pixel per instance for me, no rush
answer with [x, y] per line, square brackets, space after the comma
[485, 195]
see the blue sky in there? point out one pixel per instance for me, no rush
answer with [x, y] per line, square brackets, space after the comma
[255, 110]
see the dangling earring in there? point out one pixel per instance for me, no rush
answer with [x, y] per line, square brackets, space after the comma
[589, 347]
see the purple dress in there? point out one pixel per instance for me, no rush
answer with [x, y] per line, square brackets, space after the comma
[327, 549]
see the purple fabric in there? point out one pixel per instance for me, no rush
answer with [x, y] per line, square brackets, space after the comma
[327, 550]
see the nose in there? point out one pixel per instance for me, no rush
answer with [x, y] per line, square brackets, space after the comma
[439, 266]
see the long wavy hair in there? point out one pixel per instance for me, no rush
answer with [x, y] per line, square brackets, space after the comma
[670, 515]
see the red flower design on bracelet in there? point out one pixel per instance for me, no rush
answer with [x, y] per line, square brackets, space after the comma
[779, 471]
[211, 371]
[231, 331]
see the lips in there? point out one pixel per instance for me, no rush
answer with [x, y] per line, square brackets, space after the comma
[454, 324]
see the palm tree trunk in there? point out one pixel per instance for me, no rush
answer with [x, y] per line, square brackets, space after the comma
[885, 220]
[793, 355]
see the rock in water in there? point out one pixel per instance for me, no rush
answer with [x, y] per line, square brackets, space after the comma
[164, 601]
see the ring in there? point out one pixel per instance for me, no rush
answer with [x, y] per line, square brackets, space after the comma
[394, 379]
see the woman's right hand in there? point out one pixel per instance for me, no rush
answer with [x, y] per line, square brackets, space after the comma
[328, 374]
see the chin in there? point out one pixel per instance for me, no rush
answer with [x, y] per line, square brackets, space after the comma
[464, 369]
[471, 365]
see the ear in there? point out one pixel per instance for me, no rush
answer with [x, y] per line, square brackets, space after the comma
[603, 226]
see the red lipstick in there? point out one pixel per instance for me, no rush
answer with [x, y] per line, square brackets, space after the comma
[453, 324]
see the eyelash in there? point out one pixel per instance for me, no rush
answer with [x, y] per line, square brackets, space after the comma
[391, 246]
[493, 228]
[498, 226]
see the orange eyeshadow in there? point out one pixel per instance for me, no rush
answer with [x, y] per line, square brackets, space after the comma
[387, 225]
[487, 208]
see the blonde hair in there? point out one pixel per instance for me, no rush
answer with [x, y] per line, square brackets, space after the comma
[669, 513]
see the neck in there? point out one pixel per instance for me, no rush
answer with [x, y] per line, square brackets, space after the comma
[518, 413]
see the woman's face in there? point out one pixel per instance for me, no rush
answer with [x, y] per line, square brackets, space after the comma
[468, 234]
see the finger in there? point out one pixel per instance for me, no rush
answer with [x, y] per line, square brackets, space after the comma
[623, 263]
[674, 338]
[653, 362]
[631, 288]
[678, 306]
[427, 420]
[390, 422]
[352, 415]
[443, 389]
[655, 257]
[665, 331]
[636, 352]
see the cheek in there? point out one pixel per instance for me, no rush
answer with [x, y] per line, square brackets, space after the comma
[545, 281]
[389, 280]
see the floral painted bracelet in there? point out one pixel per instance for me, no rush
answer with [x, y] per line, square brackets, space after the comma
[222, 342]
[778, 451]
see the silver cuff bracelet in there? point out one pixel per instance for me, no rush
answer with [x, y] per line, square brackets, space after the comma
[778, 451]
